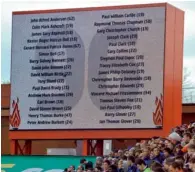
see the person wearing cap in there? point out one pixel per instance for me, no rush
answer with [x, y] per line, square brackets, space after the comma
[175, 138]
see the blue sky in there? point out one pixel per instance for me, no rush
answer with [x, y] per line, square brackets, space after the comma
[9, 6]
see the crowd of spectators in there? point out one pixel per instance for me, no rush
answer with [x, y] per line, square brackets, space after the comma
[176, 153]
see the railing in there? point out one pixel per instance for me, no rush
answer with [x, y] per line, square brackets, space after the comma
[188, 95]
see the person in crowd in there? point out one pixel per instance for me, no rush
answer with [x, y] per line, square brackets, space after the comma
[180, 132]
[190, 153]
[143, 144]
[141, 165]
[176, 153]
[155, 165]
[71, 168]
[89, 170]
[137, 145]
[146, 155]
[185, 148]
[193, 132]
[153, 145]
[166, 142]
[159, 169]
[178, 150]
[180, 159]
[116, 154]
[131, 164]
[176, 167]
[87, 164]
[167, 152]
[187, 137]
[111, 154]
[120, 166]
[156, 139]
[120, 153]
[192, 141]
[98, 169]
[171, 146]
[81, 168]
[99, 162]
[161, 147]
[138, 152]
[132, 152]
[114, 161]
[106, 166]
[113, 168]
[126, 153]
[125, 164]
[175, 138]
[109, 159]
[157, 156]
[168, 162]
[192, 164]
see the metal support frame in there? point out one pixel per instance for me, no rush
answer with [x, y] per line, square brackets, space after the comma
[19, 149]
[93, 147]
[90, 147]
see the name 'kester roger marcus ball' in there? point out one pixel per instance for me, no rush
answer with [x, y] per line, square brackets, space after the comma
[104, 63]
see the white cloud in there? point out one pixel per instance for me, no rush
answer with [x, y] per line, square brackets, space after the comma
[189, 63]
[189, 24]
